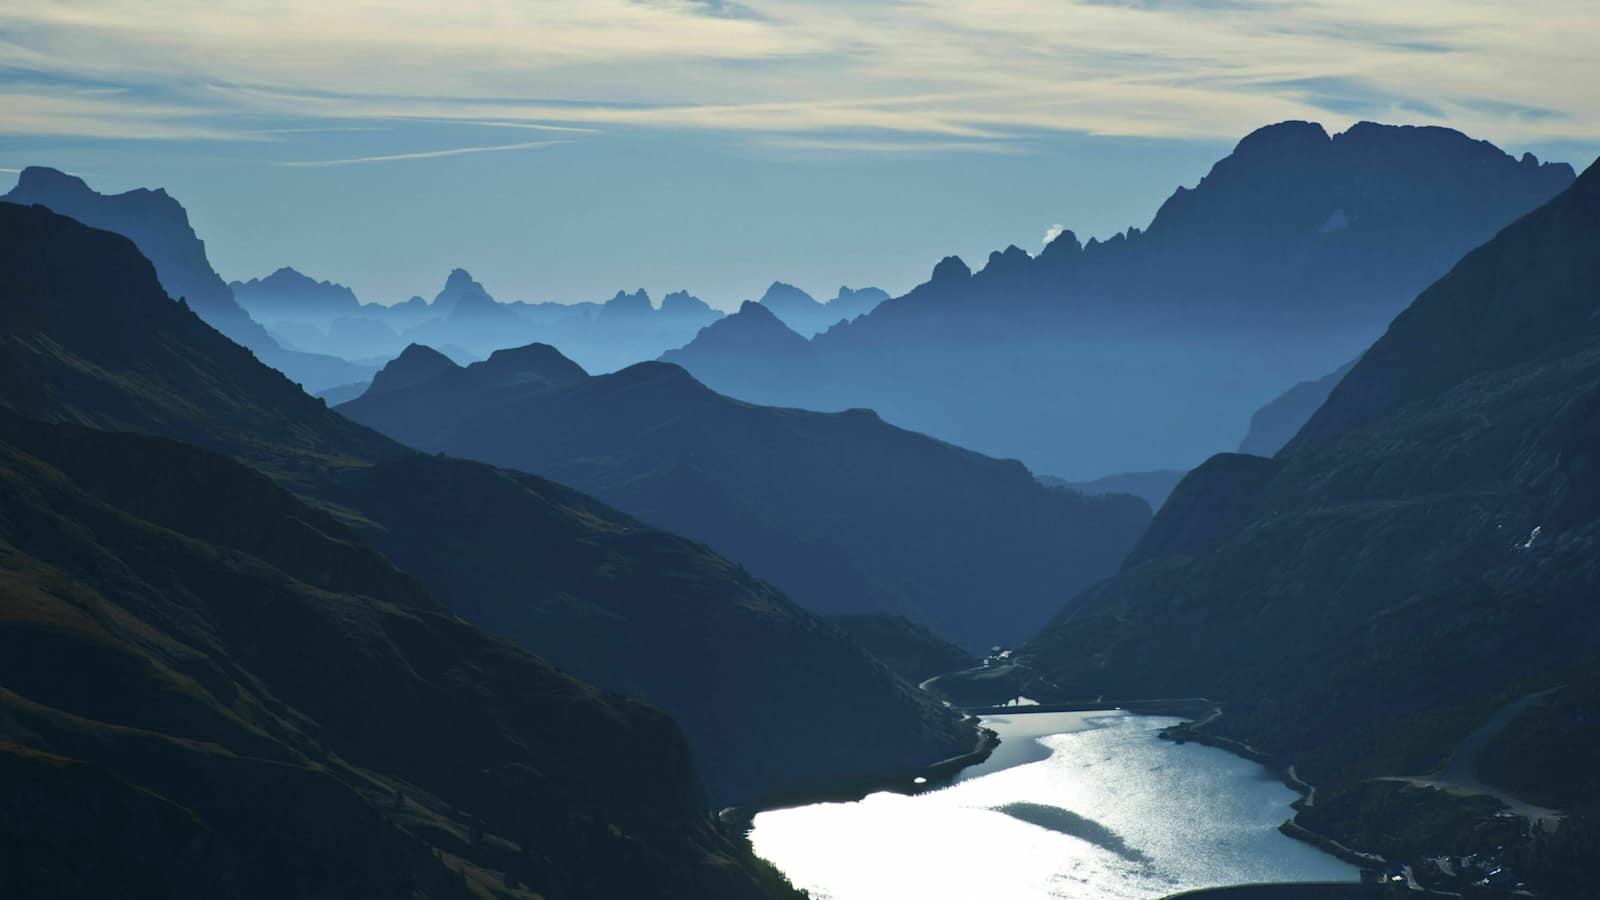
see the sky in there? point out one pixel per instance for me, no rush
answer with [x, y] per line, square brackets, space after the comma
[566, 150]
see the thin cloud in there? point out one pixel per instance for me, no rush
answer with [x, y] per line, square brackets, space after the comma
[532, 126]
[1053, 232]
[958, 70]
[426, 154]
[830, 145]
[321, 129]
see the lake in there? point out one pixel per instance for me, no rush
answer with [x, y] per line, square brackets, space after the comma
[1071, 805]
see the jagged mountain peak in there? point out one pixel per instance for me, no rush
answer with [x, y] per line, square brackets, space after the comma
[757, 311]
[951, 269]
[459, 284]
[684, 303]
[785, 297]
[623, 303]
[1012, 259]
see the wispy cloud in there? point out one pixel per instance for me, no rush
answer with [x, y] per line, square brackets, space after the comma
[904, 146]
[1051, 233]
[320, 129]
[425, 154]
[61, 111]
[532, 126]
[973, 71]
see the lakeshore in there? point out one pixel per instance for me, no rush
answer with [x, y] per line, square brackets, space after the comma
[1084, 802]
[909, 781]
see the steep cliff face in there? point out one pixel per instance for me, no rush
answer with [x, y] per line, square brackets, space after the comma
[159, 226]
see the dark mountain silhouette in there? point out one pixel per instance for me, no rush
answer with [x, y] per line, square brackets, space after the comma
[159, 226]
[320, 316]
[1274, 424]
[808, 315]
[327, 318]
[625, 305]
[795, 308]
[626, 329]
[686, 305]
[1151, 487]
[215, 690]
[1418, 556]
[1151, 350]
[752, 340]
[770, 696]
[415, 365]
[287, 294]
[850, 302]
[841, 511]
[458, 285]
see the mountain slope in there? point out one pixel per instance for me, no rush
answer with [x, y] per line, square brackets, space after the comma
[808, 315]
[910, 650]
[1420, 554]
[280, 712]
[843, 512]
[287, 294]
[1151, 350]
[89, 337]
[1275, 424]
[750, 347]
[1151, 487]
[159, 227]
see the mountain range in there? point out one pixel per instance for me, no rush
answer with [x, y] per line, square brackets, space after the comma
[761, 688]
[807, 315]
[1420, 554]
[160, 228]
[1150, 350]
[464, 318]
[844, 513]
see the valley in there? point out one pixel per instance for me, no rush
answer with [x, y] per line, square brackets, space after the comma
[1250, 551]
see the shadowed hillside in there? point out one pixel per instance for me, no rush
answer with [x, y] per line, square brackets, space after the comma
[209, 689]
[841, 511]
[1419, 555]
[763, 689]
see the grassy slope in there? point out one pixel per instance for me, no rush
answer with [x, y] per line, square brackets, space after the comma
[278, 712]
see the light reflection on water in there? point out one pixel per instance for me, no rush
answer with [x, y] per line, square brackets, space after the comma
[1107, 812]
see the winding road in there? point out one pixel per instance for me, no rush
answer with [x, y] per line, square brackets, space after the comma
[1461, 775]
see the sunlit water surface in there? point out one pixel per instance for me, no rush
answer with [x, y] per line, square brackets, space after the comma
[1075, 805]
